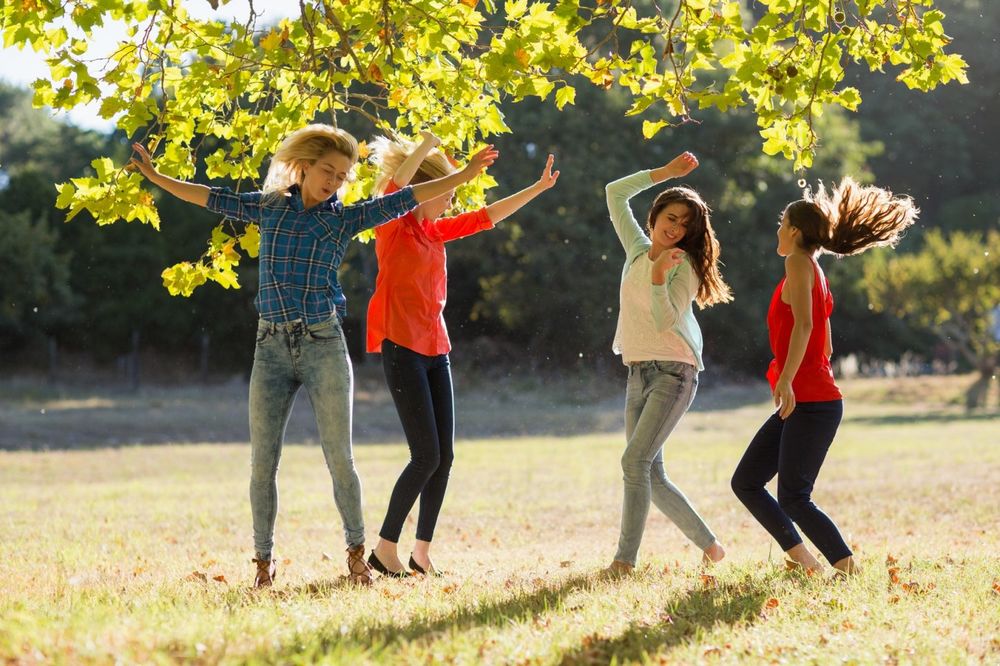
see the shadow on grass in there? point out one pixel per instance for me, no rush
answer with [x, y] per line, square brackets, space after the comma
[380, 640]
[925, 417]
[682, 621]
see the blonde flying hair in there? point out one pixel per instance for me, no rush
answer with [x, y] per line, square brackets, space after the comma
[851, 218]
[302, 148]
[389, 155]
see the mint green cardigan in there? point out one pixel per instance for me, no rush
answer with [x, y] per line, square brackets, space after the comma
[671, 303]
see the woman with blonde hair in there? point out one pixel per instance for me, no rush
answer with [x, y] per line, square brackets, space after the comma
[794, 441]
[406, 324]
[304, 231]
[660, 341]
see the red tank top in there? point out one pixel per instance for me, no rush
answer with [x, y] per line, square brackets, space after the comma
[814, 381]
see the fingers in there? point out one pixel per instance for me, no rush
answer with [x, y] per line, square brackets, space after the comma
[787, 405]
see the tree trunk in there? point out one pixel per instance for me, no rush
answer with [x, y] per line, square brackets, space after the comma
[977, 394]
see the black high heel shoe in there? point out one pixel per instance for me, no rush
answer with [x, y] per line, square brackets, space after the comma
[377, 565]
[420, 570]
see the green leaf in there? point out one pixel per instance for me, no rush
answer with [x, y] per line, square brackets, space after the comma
[565, 95]
[649, 129]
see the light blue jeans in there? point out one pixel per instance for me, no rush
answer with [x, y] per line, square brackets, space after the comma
[656, 397]
[287, 357]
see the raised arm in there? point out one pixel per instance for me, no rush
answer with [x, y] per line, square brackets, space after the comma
[404, 174]
[190, 192]
[510, 205]
[435, 188]
[620, 191]
[798, 286]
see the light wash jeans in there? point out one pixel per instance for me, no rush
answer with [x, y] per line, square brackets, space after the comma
[656, 397]
[286, 357]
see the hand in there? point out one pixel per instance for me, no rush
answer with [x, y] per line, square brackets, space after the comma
[681, 165]
[480, 161]
[784, 397]
[143, 163]
[429, 137]
[548, 178]
[668, 259]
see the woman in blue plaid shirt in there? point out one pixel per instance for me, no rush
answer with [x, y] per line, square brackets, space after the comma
[304, 231]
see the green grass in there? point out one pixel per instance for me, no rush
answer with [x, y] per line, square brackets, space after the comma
[113, 553]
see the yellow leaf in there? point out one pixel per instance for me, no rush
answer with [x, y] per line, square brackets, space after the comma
[649, 129]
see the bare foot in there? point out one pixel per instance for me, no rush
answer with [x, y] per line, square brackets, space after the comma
[618, 569]
[800, 559]
[847, 567]
[714, 553]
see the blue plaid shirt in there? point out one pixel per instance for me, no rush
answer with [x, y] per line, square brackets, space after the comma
[301, 250]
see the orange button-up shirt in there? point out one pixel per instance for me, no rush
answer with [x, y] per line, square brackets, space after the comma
[412, 285]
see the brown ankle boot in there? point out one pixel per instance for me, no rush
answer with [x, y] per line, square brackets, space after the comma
[358, 570]
[266, 570]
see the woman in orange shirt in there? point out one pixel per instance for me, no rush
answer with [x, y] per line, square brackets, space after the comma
[405, 323]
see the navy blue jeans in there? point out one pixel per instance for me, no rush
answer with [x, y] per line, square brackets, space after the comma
[794, 449]
[421, 388]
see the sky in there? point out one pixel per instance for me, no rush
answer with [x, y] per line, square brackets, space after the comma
[22, 67]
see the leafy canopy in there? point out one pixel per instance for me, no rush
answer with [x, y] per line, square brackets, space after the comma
[228, 92]
[951, 286]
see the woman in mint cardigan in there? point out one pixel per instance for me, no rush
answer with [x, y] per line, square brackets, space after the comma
[660, 342]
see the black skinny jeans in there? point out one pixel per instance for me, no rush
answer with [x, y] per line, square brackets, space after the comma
[421, 388]
[794, 449]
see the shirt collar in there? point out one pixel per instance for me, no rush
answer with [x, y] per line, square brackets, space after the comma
[331, 204]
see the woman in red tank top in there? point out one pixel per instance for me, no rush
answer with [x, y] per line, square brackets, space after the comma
[794, 441]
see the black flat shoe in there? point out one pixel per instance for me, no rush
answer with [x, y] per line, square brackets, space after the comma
[420, 570]
[377, 565]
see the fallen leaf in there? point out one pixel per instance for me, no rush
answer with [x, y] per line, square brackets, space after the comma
[566, 563]
[772, 603]
[894, 574]
[220, 578]
[197, 576]
[890, 560]
[712, 650]
[894, 599]
[708, 581]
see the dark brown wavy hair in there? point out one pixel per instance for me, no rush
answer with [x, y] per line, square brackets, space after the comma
[699, 243]
[851, 218]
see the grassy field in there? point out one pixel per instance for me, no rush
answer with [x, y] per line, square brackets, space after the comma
[140, 554]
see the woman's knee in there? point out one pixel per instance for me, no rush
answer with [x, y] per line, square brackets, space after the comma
[795, 506]
[742, 486]
[635, 468]
[426, 462]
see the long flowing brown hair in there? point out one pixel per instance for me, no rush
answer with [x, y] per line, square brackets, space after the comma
[851, 218]
[699, 243]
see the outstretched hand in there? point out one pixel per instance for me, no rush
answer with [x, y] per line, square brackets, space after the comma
[548, 178]
[480, 161]
[144, 163]
[429, 137]
[681, 165]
